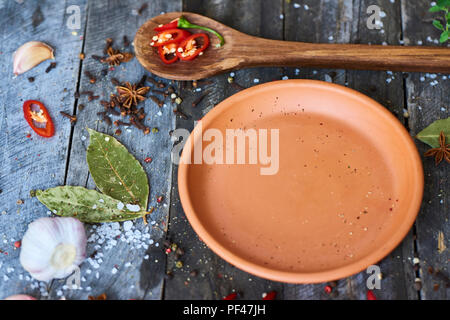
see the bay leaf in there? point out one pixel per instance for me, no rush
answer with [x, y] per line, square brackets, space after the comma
[115, 171]
[86, 205]
[430, 135]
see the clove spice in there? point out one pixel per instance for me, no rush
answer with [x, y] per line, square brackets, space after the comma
[199, 99]
[73, 119]
[157, 101]
[91, 77]
[50, 67]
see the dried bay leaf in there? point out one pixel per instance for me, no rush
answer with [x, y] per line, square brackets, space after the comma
[115, 171]
[430, 135]
[86, 205]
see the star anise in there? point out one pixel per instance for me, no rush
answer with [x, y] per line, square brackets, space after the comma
[131, 94]
[440, 153]
[115, 57]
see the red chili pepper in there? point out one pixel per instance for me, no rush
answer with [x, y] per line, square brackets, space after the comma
[169, 36]
[371, 295]
[171, 25]
[18, 244]
[148, 160]
[35, 116]
[328, 289]
[231, 296]
[270, 296]
[167, 50]
[189, 49]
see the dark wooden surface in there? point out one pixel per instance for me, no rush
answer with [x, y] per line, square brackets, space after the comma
[30, 163]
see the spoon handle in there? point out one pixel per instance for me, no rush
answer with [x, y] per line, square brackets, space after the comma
[346, 56]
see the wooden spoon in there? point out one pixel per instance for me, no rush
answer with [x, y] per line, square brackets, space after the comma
[241, 51]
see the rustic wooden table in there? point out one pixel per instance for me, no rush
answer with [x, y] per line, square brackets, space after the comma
[137, 269]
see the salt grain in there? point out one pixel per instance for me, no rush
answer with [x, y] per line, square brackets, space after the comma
[127, 225]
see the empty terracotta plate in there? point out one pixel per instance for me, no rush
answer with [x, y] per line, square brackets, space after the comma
[335, 192]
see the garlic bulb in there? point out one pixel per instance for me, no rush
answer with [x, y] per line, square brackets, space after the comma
[20, 297]
[52, 248]
[30, 55]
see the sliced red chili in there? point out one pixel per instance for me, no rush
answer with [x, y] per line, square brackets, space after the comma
[169, 36]
[270, 296]
[168, 50]
[171, 25]
[38, 118]
[231, 296]
[371, 295]
[190, 47]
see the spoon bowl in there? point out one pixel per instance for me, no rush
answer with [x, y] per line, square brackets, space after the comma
[241, 50]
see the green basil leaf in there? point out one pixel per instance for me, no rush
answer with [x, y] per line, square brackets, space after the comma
[438, 24]
[430, 135]
[443, 3]
[444, 37]
[86, 205]
[435, 9]
[115, 171]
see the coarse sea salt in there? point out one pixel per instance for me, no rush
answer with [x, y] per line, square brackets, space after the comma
[127, 225]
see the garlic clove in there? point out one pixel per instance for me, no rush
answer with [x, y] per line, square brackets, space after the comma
[52, 248]
[20, 297]
[30, 55]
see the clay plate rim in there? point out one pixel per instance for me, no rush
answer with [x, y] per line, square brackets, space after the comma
[311, 277]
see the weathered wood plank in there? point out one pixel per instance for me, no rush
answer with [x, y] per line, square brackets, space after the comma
[325, 22]
[122, 269]
[35, 162]
[216, 278]
[344, 22]
[387, 89]
[428, 100]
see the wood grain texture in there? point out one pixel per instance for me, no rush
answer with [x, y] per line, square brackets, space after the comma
[428, 101]
[40, 163]
[35, 162]
[344, 22]
[142, 279]
[216, 278]
[387, 89]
